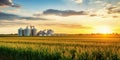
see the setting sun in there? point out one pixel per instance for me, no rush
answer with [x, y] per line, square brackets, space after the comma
[103, 30]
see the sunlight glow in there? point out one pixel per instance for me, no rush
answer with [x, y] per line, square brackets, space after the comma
[103, 30]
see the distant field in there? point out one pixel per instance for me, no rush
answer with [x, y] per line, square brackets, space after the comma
[60, 48]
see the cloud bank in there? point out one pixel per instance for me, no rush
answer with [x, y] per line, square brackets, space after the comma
[64, 12]
[6, 16]
[113, 9]
[65, 25]
[8, 3]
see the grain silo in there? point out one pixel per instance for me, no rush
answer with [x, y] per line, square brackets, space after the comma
[49, 32]
[33, 31]
[42, 33]
[20, 32]
[27, 31]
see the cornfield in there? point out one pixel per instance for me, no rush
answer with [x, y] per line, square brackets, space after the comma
[59, 48]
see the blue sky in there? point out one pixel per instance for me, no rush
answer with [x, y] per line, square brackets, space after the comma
[58, 4]
[40, 4]
[33, 5]
[84, 16]
[36, 5]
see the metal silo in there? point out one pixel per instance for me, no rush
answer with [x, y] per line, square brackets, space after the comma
[50, 32]
[40, 33]
[27, 31]
[20, 32]
[33, 31]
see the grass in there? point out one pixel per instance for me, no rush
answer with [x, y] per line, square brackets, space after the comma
[59, 48]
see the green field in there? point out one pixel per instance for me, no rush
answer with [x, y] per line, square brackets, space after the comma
[60, 48]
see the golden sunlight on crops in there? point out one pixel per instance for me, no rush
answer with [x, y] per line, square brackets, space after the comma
[103, 30]
[92, 47]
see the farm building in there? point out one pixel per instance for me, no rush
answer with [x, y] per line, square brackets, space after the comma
[32, 31]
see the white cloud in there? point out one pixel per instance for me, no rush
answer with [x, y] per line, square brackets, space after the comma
[98, 2]
[118, 3]
[78, 1]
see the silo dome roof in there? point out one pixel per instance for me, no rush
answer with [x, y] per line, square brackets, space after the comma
[20, 29]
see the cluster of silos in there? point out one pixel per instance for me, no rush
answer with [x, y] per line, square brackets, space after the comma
[28, 31]
[47, 32]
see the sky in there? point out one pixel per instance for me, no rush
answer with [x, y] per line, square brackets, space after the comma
[63, 16]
